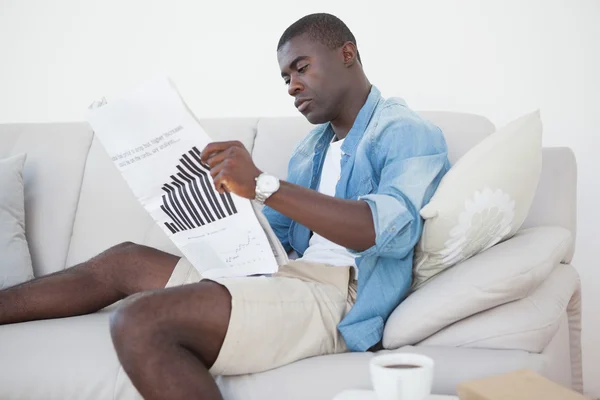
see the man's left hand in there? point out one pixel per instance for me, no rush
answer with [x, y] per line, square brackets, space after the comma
[232, 168]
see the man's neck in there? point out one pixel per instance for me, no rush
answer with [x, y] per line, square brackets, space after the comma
[356, 100]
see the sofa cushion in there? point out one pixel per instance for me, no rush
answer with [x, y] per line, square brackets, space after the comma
[120, 217]
[56, 155]
[527, 324]
[221, 130]
[276, 138]
[15, 260]
[113, 219]
[508, 271]
[304, 379]
[462, 131]
[74, 359]
[482, 200]
[62, 359]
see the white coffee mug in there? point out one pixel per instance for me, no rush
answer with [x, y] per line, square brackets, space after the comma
[401, 376]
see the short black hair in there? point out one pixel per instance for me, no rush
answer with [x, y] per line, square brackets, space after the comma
[325, 28]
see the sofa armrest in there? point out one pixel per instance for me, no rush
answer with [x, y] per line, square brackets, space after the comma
[506, 272]
[555, 201]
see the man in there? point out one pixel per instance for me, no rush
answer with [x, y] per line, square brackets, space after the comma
[349, 208]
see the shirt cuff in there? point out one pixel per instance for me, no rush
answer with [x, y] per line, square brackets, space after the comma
[390, 217]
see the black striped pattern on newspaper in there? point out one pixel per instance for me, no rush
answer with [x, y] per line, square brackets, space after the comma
[190, 200]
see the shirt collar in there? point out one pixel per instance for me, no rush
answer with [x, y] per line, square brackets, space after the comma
[361, 122]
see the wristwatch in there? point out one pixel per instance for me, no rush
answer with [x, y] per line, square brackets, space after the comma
[266, 185]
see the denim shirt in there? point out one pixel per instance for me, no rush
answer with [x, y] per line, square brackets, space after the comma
[393, 160]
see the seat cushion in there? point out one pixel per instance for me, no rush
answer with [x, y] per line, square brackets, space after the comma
[62, 359]
[74, 359]
[508, 271]
[321, 378]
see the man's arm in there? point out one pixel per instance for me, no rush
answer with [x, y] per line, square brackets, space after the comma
[346, 222]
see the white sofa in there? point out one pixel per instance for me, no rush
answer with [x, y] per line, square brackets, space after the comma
[77, 205]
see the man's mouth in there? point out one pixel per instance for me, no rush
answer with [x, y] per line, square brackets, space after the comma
[302, 106]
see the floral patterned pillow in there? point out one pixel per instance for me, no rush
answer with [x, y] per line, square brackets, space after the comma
[482, 200]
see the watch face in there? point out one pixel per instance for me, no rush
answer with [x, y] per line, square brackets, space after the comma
[268, 183]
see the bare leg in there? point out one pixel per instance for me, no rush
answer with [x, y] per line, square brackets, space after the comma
[168, 339]
[88, 287]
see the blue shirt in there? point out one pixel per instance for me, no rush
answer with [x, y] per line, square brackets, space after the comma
[393, 160]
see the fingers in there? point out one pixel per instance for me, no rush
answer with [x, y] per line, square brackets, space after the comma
[217, 158]
[221, 182]
[231, 168]
[217, 147]
[218, 178]
[214, 171]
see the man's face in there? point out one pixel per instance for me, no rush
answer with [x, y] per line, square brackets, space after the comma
[315, 76]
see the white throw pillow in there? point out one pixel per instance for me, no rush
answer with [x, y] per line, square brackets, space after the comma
[482, 200]
[15, 260]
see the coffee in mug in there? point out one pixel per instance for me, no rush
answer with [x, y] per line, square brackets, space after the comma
[402, 366]
[401, 376]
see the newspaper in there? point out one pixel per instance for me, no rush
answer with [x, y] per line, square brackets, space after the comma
[155, 142]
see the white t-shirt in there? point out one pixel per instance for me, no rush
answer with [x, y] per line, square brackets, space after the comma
[320, 249]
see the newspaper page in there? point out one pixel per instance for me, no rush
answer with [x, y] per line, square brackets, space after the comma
[156, 142]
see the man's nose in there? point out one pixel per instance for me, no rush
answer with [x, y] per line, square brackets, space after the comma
[295, 86]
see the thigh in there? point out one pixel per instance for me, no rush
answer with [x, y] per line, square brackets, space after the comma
[278, 320]
[132, 268]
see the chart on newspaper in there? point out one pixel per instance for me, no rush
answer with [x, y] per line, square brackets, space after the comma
[155, 142]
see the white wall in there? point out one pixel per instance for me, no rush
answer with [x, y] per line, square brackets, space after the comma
[500, 59]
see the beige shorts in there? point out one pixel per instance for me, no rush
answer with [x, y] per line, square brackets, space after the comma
[279, 319]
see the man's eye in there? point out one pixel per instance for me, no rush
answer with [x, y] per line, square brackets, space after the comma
[303, 69]
[287, 82]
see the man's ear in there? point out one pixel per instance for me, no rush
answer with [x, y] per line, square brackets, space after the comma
[350, 54]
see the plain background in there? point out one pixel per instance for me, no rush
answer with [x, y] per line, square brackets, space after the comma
[500, 59]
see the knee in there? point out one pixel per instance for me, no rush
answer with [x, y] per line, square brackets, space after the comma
[123, 249]
[128, 251]
[126, 246]
[130, 321]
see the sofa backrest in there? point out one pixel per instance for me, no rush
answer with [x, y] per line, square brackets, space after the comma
[78, 205]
